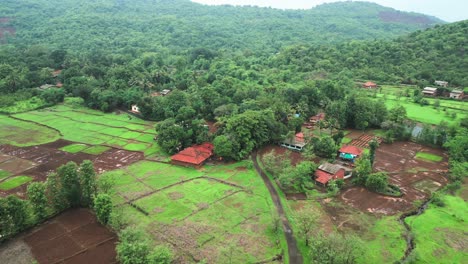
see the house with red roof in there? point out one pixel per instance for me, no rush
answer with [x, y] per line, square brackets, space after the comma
[194, 156]
[327, 172]
[295, 143]
[349, 152]
[369, 85]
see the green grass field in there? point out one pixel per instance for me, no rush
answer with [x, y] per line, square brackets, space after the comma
[23, 133]
[96, 150]
[440, 233]
[74, 148]
[91, 127]
[425, 114]
[14, 182]
[24, 106]
[428, 157]
[227, 201]
[4, 174]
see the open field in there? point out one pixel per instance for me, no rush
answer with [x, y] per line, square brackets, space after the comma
[441, 234]
[202, 213]
[37, 161]
[426, 114]
[73, 237]
[416, 178]
[21, 133]
[96, 128]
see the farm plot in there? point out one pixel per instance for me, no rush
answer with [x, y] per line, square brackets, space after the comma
[72, 237]
[202, 213]
[95, 128]
[416, 177]
[20, 165]
[21, 133]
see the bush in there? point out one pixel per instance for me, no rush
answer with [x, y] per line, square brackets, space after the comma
[103, 207]
[377, 182]
[437, 200]
[135, 248]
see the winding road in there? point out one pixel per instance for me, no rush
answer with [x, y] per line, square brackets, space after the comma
[295, 256]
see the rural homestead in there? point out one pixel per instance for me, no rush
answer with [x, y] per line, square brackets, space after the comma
[199, 131]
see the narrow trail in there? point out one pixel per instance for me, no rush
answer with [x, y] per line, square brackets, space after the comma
[295, 256]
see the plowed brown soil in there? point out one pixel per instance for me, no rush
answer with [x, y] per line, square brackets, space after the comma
[39, 161]
[415, 178]
[73, 237]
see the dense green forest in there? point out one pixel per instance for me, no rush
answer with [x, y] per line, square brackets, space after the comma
[113, 54]
[127, 26]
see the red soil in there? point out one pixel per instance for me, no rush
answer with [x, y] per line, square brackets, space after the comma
[89, 242]
[405, 172]
[39, 161]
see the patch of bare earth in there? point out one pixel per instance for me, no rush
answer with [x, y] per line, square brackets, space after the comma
[416, 178]
[16, 252]
[175, 195]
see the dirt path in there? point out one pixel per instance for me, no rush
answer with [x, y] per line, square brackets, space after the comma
[295, 256]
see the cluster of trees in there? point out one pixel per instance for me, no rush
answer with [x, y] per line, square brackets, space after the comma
[70, 186]
[326, 248]
[291, 178]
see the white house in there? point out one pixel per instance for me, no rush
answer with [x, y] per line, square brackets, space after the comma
[135, 109]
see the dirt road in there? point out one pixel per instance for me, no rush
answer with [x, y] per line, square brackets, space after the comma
[295, 256]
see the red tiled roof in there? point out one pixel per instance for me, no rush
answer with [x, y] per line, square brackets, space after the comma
[195, 155]
[300, 137]
[351, 150]
[323, 177]
[318, 117]
[370, 84]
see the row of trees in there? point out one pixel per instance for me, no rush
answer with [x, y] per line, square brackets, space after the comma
[70, 186]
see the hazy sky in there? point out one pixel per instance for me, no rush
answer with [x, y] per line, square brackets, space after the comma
[448, 10]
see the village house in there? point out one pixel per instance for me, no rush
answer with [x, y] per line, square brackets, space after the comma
[350, 153]
[441, 83]
[457, 94]
[328, 171]
[295, 143]
[429, 91]
[194, 156]
[369, 85]
[135, 109]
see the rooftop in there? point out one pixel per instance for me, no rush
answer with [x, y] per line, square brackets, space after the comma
[195, 155]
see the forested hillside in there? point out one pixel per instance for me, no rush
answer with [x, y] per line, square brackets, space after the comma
[418, 58]
[129, 25]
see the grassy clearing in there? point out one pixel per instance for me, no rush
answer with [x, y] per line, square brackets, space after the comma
[74, 148]
[428, 157]
[96, 150]
[4, 174]
[346, 140]
[21, 133]
[24, 106]
[14, 182]
[427, 114]
[440, 233]
[91, 127]
[184, 199]
[384, 242]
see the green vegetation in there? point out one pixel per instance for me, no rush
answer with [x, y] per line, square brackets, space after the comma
[14, 182]
[176, 197]
[4, 174]
[439, 232]
[428, 157]
[74, 148]
[94, 128]
[96, 150]
[21, 133]
[24, 106]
